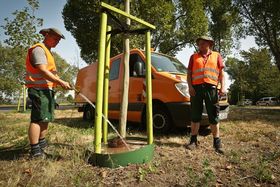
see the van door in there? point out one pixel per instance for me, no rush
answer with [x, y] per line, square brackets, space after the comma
[114, 89]
[136, 86]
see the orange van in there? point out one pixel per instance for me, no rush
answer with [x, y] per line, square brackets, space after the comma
[171, 100]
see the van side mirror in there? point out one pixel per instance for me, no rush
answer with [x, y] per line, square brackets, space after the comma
[139, 69]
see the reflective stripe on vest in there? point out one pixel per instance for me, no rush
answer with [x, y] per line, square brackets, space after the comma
[34, 78]
[205, 76]
[38, 75]
[206, 69]
[37, 82]
[205, 72]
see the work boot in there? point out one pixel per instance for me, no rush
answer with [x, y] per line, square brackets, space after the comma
[218, 146]
[36, 151]
[43, 143]
[193, 143]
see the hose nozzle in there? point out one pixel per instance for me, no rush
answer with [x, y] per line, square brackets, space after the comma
[75, 89]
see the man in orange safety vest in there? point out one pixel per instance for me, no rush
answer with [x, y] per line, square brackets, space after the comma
[41, 79]
[205, 71]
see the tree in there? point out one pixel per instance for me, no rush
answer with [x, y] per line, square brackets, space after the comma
[216, 18]
[237, 70]
[261, 20]
[22, 30]
[162, 14]
[192, 21]
[254, 76]
[22, 33]
[178, 23]
[125, 85]
[224, 23]
[65, 71]
[11, 71]
[81, 18]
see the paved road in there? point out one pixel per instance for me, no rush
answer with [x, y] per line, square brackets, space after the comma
[13, 108]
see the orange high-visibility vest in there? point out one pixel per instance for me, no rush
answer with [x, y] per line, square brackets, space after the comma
[33, 78]
[205, 72]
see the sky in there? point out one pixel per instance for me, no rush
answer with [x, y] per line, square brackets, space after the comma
[50, 11]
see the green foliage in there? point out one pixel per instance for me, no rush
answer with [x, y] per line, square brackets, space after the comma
[225, 22]
[11, 70]
[192, 19]
[65, 71]
[261, 20]
[22, 34]
[21, 30]
[254, 76]
[178, 23]
[81, 18]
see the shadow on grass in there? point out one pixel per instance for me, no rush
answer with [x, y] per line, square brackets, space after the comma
[16, 152]
[13, 152]
[74, 123]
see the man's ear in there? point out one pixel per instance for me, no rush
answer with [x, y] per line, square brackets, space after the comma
[47, 35]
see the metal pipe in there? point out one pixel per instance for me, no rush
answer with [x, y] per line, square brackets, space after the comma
[149, 104]
[118, 11]
[19, 100]
[106, 86]
[100, 83]
[24, 98]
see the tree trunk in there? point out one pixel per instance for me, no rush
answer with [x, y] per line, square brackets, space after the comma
[124, 101]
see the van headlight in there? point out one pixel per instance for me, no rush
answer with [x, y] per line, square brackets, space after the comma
[183, 88]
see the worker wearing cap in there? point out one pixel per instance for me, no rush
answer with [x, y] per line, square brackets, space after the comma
[41, 79]
[205, 72]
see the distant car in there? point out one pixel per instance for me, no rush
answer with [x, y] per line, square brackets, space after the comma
[267, 101]
[247, 102]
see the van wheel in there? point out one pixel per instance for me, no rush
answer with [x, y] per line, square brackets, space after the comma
[88, 113]
[162, 121]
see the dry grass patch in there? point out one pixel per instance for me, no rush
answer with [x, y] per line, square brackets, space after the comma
[250, 137]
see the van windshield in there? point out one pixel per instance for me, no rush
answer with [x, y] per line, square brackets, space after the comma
[167, 64]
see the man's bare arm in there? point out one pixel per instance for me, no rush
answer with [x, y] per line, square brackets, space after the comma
[51, 77]
[222, 81]
[189, 80]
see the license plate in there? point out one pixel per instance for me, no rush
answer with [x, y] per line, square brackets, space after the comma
[223, 116]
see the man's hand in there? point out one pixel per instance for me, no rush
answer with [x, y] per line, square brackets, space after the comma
[65, 85]
[191, 90]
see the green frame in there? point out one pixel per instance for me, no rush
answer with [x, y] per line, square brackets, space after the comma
[102, 89]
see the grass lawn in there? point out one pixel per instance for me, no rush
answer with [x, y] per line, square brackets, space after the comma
[251, 137]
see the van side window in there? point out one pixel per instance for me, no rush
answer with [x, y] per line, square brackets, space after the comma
[133, 58]
[115, 69]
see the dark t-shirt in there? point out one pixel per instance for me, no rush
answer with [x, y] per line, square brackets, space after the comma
[219, 61]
